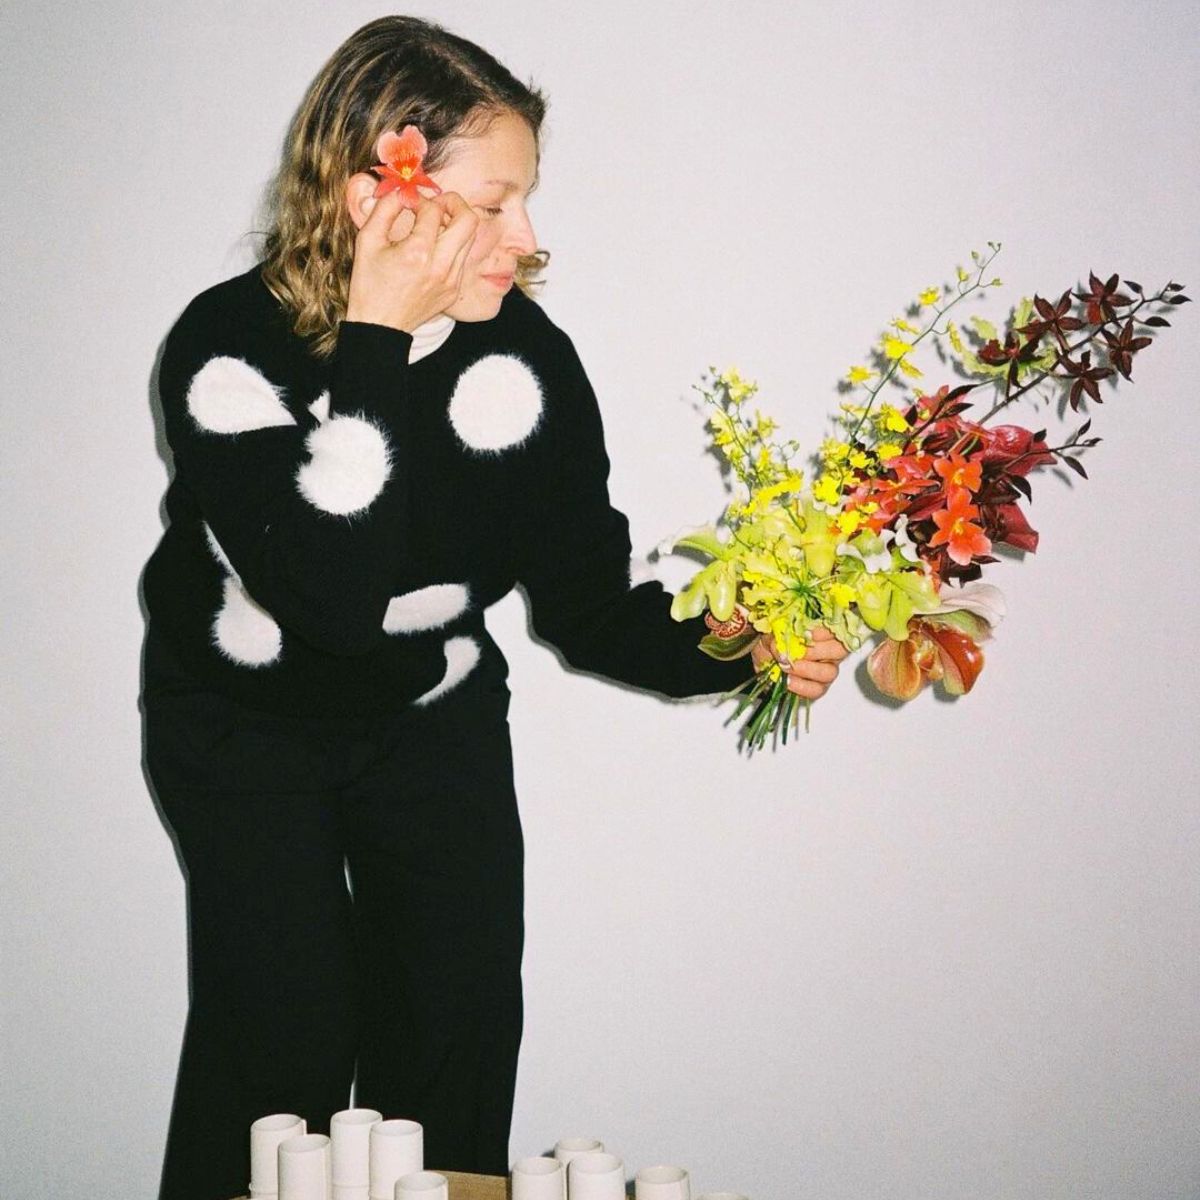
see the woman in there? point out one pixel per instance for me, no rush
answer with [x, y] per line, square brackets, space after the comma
[376, 435]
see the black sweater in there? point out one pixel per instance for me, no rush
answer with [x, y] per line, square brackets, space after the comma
[338, 526]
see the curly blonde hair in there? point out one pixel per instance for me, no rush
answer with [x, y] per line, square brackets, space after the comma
[392, 72]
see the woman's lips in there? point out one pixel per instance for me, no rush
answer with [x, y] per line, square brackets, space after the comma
[501, 281]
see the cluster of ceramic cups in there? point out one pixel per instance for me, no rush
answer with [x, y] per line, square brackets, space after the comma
[367, 1158]
[581, 1170]
[363, 1158]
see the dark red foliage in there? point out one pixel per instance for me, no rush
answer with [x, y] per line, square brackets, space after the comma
[1006, 523]
[1122, 348]
[1085, 375]
[1103, 298]
[1015, 448]
[1012, 352]
[1055, 319]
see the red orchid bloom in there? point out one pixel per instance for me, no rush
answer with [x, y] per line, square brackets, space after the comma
[400, 156]
[891, 496]
[959, 472]
[913, 466]
[926, 405]
[954, 527]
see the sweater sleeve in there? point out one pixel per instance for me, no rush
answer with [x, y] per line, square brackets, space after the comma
[302, 505]
[575, 561]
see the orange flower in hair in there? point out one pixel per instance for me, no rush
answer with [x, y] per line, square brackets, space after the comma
[400, 156]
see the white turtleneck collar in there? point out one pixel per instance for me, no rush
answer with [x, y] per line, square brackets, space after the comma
[426, 338]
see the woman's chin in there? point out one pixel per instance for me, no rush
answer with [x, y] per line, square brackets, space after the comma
[476, 306]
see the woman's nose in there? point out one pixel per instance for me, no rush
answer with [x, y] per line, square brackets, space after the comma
[521, 237]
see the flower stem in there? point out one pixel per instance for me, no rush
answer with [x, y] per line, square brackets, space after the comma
[874, 392]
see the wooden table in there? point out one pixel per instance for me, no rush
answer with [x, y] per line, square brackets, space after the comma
[477, 1187]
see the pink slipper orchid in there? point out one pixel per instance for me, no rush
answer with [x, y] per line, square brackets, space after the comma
[400, 156]
[933, 651]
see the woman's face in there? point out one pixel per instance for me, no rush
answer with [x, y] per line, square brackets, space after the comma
[494, 174]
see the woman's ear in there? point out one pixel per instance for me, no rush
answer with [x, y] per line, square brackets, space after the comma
[360, 197]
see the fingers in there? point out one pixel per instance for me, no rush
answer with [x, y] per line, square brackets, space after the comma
[760, 653]
[379, 220]
[825, 647]
[455, 240]
[402, 226]
[455, 204]
[832, 651]
[432, 222]
[814, 670]
[808, 677]
[429, 221]
[806, 688]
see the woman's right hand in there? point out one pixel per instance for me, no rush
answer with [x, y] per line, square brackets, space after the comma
[402, 279]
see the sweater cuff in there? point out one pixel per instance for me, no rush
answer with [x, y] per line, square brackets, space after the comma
[369, 365]
[707, 675]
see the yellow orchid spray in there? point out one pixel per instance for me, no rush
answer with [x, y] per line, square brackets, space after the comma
[794, 556]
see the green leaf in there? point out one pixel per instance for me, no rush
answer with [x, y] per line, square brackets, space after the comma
[721, 590]
[727, 649]
[705, 540]
[985, 329]
[690, 602]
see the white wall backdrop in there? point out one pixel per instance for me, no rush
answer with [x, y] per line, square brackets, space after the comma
[947, 951]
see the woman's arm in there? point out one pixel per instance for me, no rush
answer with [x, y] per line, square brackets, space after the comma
[575, 553]
[308, 508]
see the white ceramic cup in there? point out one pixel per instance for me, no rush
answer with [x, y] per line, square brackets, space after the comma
[396, 1148]
[539, 1179]
[265, 1135]
[662, 1183]
[596, 1176]
[350, 1146]
[304, 1168]
[722, 1196]
[566, 1149]
[346, 1191]
[422, 1185]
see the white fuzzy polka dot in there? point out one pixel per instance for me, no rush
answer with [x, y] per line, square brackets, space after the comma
[320, 407]
[462, 653]
[243, 630]
[217, 552]
[497, 403]
[349, 464]
[228, 395]
[426, 608]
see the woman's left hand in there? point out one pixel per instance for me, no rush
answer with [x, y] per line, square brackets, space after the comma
[811, 675]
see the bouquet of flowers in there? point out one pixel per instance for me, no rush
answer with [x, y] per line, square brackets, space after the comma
[907, 502]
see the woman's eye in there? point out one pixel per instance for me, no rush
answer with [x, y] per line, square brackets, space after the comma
[492, 212]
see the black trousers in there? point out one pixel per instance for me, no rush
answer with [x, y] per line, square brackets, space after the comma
[410, 975]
